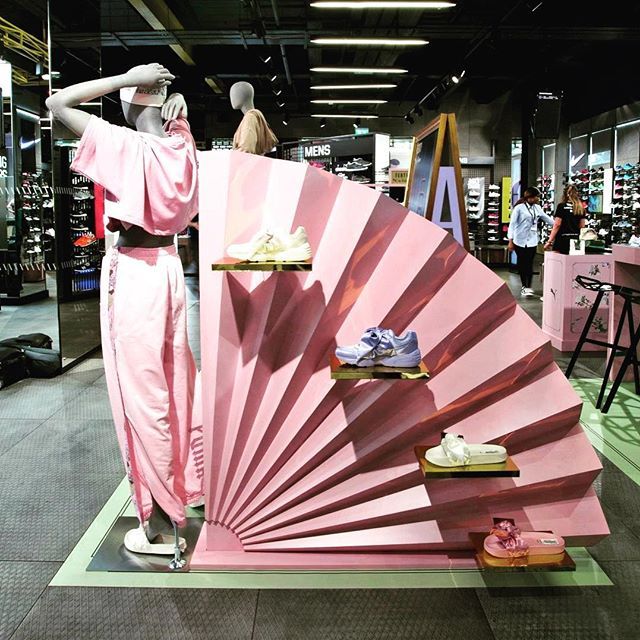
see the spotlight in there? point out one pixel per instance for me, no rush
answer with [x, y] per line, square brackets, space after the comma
[277, 90]
[273, 78]
[323, 123]
[285, 119]
[280, 103]
[455, 79]
[409, 119]
[418, 111]
[266, 60]
[357, 123]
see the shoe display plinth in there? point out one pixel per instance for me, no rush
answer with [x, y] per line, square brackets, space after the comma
[232, 264]
[136, 541]
[342, 371]
[506, 469]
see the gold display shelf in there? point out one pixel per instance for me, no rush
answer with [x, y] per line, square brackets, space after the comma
[487, 562]
[231, 264]
[341, 371]
[506, 469]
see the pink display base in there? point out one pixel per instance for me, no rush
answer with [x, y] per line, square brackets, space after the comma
[566, 305]
[203, 559]
[626, 272]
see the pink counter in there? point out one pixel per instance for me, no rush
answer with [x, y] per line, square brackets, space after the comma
[626, 272]
[566, 305]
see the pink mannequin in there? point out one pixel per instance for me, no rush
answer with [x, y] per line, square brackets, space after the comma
[146, 119]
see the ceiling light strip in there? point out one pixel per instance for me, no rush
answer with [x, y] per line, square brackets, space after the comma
[349, 101]
[358, 70]
[343, 115]
[371, 42]
[383, 4]
[340, 87]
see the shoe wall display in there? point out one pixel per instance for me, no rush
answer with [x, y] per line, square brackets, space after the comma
[304, 469]
[80, 251]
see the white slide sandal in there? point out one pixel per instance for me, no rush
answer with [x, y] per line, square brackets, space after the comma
[453, 451]
[136, 541]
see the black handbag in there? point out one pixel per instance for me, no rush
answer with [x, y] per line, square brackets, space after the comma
[13, 366]
[42, 363]
[40, 340]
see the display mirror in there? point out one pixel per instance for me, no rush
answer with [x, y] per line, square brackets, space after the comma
[27, 219]
[78, 206]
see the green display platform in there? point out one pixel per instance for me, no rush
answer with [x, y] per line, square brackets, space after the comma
[73, 572]
[616, 434]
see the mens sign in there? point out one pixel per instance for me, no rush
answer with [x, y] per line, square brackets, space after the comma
[317, 151]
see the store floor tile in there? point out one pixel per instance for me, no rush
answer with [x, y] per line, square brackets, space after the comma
[590, 613]
[371, 614]
[21, 584]
[140, 614]
[13, 431]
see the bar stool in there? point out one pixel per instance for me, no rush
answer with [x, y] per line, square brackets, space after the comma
[630, 297]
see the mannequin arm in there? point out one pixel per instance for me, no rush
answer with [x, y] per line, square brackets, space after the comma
[62, 103]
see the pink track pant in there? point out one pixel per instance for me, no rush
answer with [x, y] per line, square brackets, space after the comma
[152, 378]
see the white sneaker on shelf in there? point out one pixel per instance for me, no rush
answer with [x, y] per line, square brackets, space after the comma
[273, 246]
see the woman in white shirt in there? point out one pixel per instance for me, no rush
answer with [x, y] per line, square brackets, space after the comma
[523, 234]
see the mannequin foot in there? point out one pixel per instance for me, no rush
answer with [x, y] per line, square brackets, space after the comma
[137, 541]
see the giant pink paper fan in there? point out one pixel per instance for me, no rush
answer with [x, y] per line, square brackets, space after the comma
[306, 471]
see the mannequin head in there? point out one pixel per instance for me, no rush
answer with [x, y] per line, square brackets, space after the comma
[142, 105]
[241, 95]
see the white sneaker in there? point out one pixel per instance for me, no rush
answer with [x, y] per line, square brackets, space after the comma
[529, 291]
[523, 291]
[273, 246]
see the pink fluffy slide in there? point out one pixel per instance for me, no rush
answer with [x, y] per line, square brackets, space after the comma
[507, 541]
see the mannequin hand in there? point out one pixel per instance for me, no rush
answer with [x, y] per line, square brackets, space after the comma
[174, 107]
[511, 247]
[148, 75]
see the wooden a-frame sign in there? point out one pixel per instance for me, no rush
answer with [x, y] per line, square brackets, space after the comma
[434, 186]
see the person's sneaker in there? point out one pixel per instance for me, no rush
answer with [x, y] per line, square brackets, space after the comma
[523, 292]
[380, 346]
[273, 246]
[529, 292]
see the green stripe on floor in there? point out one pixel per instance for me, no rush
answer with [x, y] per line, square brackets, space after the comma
[615, 434]
[73, 573]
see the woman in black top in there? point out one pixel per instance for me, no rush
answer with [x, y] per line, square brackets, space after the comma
[569, 218]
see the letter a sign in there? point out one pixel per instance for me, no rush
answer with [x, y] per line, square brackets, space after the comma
[434, 189]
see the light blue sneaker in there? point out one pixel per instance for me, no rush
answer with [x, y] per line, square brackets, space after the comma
[380, 346]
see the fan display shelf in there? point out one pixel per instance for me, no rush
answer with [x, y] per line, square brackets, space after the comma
[303, 471]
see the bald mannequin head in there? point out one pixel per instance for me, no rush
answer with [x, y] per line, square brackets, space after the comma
[241, 96]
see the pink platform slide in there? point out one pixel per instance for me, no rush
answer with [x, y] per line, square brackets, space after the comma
[507, 541]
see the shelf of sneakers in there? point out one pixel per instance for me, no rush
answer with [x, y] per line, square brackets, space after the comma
[493, 220]
[269, 251]
[546, 185]
[625, 219]
[85, 250]
[475, 218]
[31, 199]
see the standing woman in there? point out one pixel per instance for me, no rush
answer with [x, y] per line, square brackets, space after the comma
[569, 218]
[523, 234]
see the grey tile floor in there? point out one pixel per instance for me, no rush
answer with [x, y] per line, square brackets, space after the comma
[59, 463]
